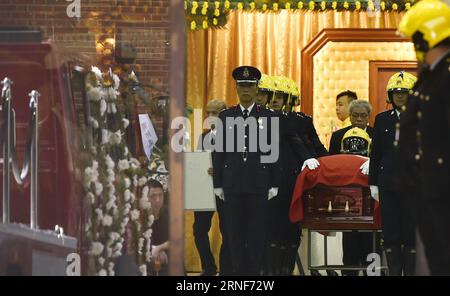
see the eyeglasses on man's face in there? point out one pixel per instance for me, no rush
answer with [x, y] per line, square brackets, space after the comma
[359, 115]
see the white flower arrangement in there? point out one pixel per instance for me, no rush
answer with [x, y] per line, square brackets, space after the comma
[125, 123]
[127, 183]
[144, 204]
[94, 94]
[123, 165]
[113, 181]
[101, 261]
[96, 248]
[109, 162]
[142, 181]
[134, 214]
[143, 269]
[107, 220]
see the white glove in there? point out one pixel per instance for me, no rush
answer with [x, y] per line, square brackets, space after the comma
[374, 192]
[365, 168]
[219, 193]
[272, 193]
[312, 164]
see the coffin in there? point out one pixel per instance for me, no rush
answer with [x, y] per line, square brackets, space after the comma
[338, 207]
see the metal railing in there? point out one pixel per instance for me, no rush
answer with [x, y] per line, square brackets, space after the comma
[8, 144]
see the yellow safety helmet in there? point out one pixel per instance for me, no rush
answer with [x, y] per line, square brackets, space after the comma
[295, 94]
[427, 23]
[265, 83]
[356, 141]
[401, 81]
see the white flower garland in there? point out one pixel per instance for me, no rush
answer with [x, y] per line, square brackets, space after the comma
[109, 185]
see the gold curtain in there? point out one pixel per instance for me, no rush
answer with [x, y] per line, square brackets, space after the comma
[272, 42]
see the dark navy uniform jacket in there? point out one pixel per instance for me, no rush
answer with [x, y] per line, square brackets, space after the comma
[382, 153]
[431, 115]
[238, 174]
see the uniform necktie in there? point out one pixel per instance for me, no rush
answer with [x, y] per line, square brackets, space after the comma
[245, 113]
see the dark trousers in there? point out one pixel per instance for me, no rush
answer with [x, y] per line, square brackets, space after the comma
[398, 219]
[246, 227]
[281, 230]
[434, 227]
[202, 225]
[356, 246]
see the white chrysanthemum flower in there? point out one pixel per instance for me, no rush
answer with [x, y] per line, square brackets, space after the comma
[127, 195]
[142, 181]
[135, 163]
[90, 198]
[111, 177]
[144, 204]
[132, 198]
[114, 236]
[148, 233]
[101, 261]
[123, 164]
[97, 72]
[115, 138]
[111, 93]
[135, 214]
[90, 175]
[125, 211]
[151, 219]
[145, 191]
[107, 220]
[109, 162]
[127, 182]
[98, 188]
[111, 272]
[118, 246]
[105, 136]
[96, 248]
[143, 269]
[102, 272]
[125, 122]
[132, 76]
[111, 189]
[128, 206]
[125, 151]
[116, 81]
[113, 108]
[99, 213]
[109, 205]
[103, 107]
[126, 220]
[94, 122]
[138, 226]
[94, 94]
[117, 254]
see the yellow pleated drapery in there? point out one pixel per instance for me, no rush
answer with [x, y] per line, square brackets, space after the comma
[272, 42]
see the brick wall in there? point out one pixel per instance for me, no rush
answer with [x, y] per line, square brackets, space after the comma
[142, 22]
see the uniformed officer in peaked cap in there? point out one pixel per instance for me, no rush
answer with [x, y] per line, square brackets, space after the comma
[427, 118]
[243, 178]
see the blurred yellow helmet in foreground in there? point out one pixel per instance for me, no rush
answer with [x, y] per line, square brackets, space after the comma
[427, 23]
